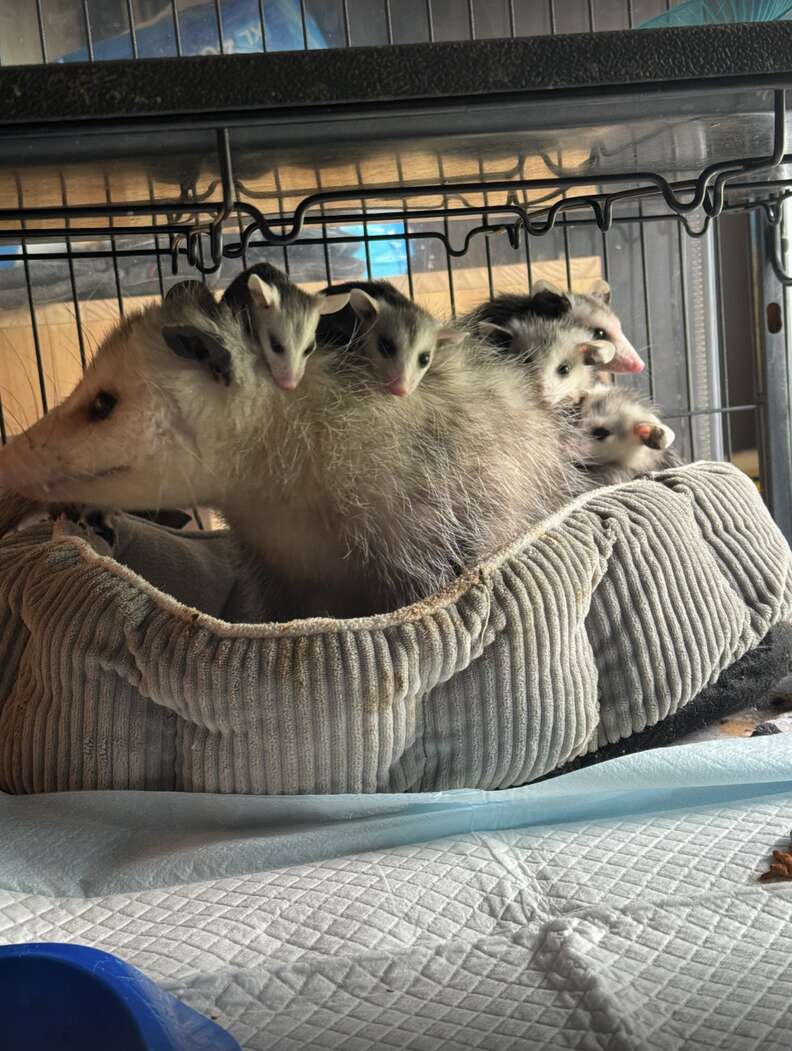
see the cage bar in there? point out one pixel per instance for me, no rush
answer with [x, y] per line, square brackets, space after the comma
[213, 232]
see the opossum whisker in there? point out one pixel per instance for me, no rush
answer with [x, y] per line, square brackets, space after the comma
[35, 396]
[71, 350]
[9, 413]
[92, 345]
[9, 397]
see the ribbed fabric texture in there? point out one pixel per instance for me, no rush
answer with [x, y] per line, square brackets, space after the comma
[610, 617]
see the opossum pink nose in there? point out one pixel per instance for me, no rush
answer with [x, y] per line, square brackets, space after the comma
[398, 389]
[287, 384]
[626, 363]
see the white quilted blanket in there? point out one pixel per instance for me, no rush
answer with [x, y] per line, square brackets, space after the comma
[616, 908]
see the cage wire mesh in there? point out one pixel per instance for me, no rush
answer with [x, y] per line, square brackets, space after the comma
[57, 303]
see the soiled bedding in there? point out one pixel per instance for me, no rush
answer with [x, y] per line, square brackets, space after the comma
[611, 908]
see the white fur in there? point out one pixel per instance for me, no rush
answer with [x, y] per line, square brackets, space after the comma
[347, 503]
[592, 311]
[414, 337]
[559, 355]
[630, 423]
[286, 329]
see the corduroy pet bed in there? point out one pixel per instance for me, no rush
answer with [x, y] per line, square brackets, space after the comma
[607, 618]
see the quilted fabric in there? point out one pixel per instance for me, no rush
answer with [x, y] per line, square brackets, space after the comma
[624, 932]
[605, 619]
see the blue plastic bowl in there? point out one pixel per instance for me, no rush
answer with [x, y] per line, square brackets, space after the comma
[72, 998]
[713, 12]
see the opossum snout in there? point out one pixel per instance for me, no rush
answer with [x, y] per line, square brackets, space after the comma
[286, 382]
[399, 388]
[631, 364]
[626, 358]
[22, 469]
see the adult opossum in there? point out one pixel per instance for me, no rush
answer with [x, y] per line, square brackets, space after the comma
[345, 500]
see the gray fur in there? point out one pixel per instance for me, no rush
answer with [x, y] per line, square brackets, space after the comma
[295, 302]
[346, 502]
[590, 312]
[556, 351]
[622, 455]
[285, 330]
[398, 338]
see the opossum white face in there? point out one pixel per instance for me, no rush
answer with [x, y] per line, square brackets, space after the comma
[401, 342]
[615, 428]
[592, 311]
[562, 357]
[142, 428]
[285, 326]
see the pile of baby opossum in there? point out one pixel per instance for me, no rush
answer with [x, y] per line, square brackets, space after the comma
[362, 453]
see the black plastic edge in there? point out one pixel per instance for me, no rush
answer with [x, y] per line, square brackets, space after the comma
[754, 54]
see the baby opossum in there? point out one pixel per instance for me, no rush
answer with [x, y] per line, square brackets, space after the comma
[617, 436]
[345, 502]
[560, 354]
[399, 339]
[590, 311]
[282, 318]
[593, 310]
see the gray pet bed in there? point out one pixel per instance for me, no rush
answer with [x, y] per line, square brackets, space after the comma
[129, 671]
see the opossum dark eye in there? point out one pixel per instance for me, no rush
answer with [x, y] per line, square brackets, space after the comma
[386, 348]
[275, 346]
[599, 333]
[102, 405]
[564, 370]
[310, 349]
[423, 360]
[600, 434]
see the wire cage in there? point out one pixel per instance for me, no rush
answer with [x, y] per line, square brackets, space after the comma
[440, 161]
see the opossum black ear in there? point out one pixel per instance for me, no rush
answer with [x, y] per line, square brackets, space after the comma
[332, 304]
[194, 292]
[364, 305]
[266, 296]
[601, 290]
[550, 304]
[192, 343]
[545, 286]
[498, 335]
[449, 339]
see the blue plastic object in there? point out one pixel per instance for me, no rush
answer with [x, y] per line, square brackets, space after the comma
[57, 997]
[718, 12]
[198, 32]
